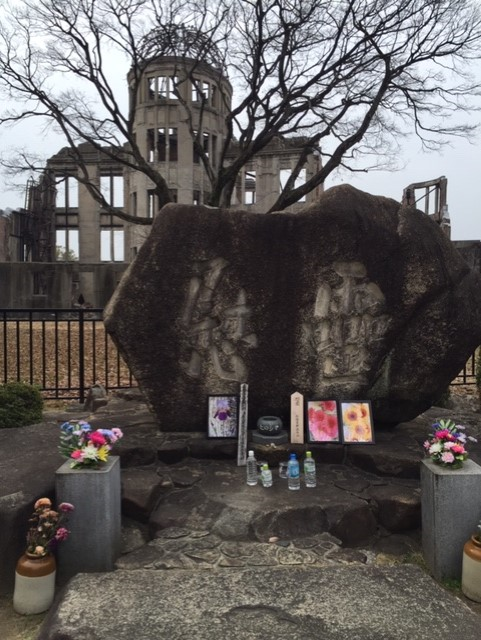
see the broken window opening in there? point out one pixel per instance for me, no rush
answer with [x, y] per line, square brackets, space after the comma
[112, 189]
[67, 244]
[111, 244]
[285, 174]
[250, 187]
[152, 205]
[67, 193]
[162, 87]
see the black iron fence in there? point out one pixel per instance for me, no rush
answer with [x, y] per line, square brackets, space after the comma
[468, 374]
[64, 351]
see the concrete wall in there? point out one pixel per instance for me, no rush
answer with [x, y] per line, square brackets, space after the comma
[471, 252]
[57, 285]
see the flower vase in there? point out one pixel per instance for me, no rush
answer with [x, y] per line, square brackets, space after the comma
[471, 576]
[34, 583]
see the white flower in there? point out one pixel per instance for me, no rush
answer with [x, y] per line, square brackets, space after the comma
[437, 447]
[90, 452]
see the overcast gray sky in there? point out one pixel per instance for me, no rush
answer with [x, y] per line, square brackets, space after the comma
[460, 163]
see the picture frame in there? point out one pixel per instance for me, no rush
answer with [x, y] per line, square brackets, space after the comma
[356, 421]
[322, 421]
[223, 416]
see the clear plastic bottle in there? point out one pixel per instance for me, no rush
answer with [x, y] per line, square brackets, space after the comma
[293, 475]
[309, 470]
[251, 468]
[266, 476]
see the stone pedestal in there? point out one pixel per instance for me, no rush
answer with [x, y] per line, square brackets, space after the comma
[451, 509]
[95, 525]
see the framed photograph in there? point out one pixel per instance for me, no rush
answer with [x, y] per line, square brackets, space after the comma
[357, 426]
[323, 421]
[223, 417]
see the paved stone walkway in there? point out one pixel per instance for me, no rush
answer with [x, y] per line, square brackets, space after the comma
[177, 548]
[187, 513]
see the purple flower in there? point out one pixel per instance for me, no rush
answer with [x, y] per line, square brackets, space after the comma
[61, 534]
[66, 507]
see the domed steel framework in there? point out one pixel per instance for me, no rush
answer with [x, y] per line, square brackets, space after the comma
[180, 41]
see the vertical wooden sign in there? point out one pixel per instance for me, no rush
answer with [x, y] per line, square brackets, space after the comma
[242, 441]
[297, 418]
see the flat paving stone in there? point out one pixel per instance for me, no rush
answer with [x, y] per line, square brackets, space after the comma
[301, 603]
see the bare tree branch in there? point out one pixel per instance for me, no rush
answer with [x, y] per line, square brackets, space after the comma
[349, 77]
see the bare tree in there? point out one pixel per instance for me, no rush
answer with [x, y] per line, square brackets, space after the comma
[349, 76]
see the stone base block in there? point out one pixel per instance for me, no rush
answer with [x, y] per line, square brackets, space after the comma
[95, 525]
[260, 438]
[451, 509]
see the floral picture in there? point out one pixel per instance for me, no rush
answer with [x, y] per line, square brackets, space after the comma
[322, 421]
[357, 427]
[223, 416]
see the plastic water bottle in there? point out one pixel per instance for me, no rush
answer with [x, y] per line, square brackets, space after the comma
[309, 470]
[293, 476]
[266, 476]
[251, 467]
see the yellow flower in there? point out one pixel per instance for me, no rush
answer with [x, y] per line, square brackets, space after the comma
[103, 453]
[351, 414]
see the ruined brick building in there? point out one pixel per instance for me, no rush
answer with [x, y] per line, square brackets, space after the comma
[63, 248]
[63, 244]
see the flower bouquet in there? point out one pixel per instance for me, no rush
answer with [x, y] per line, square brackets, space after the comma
[84, 447]
[46, 527]
[446, 445]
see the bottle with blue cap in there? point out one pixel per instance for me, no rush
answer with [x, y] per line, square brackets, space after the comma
[293, 473]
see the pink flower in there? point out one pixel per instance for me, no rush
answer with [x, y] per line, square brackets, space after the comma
[77, 454]
[444, 434]
[61, 534]
[426, 444]
[323, 427]
[97, 439]
[458, 449]
[328, 405]
[447, 457]
[66, 507]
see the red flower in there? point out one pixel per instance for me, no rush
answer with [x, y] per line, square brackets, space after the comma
[444, 434]
[97, 439]
[323, 427]
[328, 405]
[459, 449]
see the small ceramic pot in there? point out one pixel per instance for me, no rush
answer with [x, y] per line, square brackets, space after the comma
[471, 575]
[34, 583]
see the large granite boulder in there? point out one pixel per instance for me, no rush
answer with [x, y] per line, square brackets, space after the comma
[355, 297]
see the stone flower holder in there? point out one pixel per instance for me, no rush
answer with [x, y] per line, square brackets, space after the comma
[451, 509]
[95, 525]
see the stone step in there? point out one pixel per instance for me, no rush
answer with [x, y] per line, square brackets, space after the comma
[348, 503]
[177, 548]
[296, 602]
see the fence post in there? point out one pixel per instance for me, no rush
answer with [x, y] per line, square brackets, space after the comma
[81, 353]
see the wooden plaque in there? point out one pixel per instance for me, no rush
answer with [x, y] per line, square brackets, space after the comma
[297, 418]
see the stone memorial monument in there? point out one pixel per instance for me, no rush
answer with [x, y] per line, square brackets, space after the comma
[355, 297]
